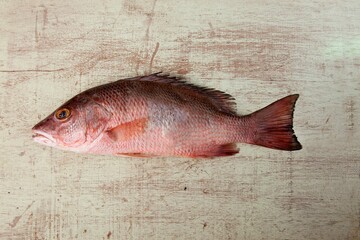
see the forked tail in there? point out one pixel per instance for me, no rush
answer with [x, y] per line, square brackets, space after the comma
[274, 125]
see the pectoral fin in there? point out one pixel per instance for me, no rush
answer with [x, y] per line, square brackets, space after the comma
[128, 130]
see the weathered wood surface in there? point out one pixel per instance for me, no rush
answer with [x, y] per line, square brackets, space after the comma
[257, 51]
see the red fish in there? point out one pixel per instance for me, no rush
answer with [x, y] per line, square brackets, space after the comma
[159, 115]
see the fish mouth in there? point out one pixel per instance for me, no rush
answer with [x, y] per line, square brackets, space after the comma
[43, 138]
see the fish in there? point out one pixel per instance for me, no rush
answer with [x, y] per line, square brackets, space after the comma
[159, 115]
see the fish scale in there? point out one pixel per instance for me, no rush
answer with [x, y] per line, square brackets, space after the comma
[159, 115]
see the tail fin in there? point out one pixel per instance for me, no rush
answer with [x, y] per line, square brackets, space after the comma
[274, 125]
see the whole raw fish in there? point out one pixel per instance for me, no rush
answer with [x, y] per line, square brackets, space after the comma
[159, 115]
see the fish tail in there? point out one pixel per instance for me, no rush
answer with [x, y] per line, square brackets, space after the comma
[274, 125]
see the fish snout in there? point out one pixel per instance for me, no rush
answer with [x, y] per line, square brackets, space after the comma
[42, 136]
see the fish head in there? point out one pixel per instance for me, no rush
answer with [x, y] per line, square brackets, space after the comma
[73, 126]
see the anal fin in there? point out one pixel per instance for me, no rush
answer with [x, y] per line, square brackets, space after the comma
[138, 155]
[223, 150]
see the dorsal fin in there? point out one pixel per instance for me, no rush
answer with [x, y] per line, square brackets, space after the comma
[222, 101]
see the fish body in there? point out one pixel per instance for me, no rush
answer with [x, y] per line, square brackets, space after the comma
[159, 115]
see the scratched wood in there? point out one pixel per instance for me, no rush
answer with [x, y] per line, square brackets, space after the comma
[258, 51]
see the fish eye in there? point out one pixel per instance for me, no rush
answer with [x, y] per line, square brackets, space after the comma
[62, 114]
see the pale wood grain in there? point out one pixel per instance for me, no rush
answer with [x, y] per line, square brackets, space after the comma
[258, 51]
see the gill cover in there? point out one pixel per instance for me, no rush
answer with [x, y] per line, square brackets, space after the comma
[96, 119]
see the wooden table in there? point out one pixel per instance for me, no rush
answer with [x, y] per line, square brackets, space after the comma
[258, 51]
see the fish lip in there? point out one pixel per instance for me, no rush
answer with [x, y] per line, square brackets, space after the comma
[43, 137]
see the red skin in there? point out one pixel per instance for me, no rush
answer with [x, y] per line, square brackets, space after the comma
[154, 116]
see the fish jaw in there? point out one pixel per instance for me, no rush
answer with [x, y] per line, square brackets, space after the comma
[43, 137]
